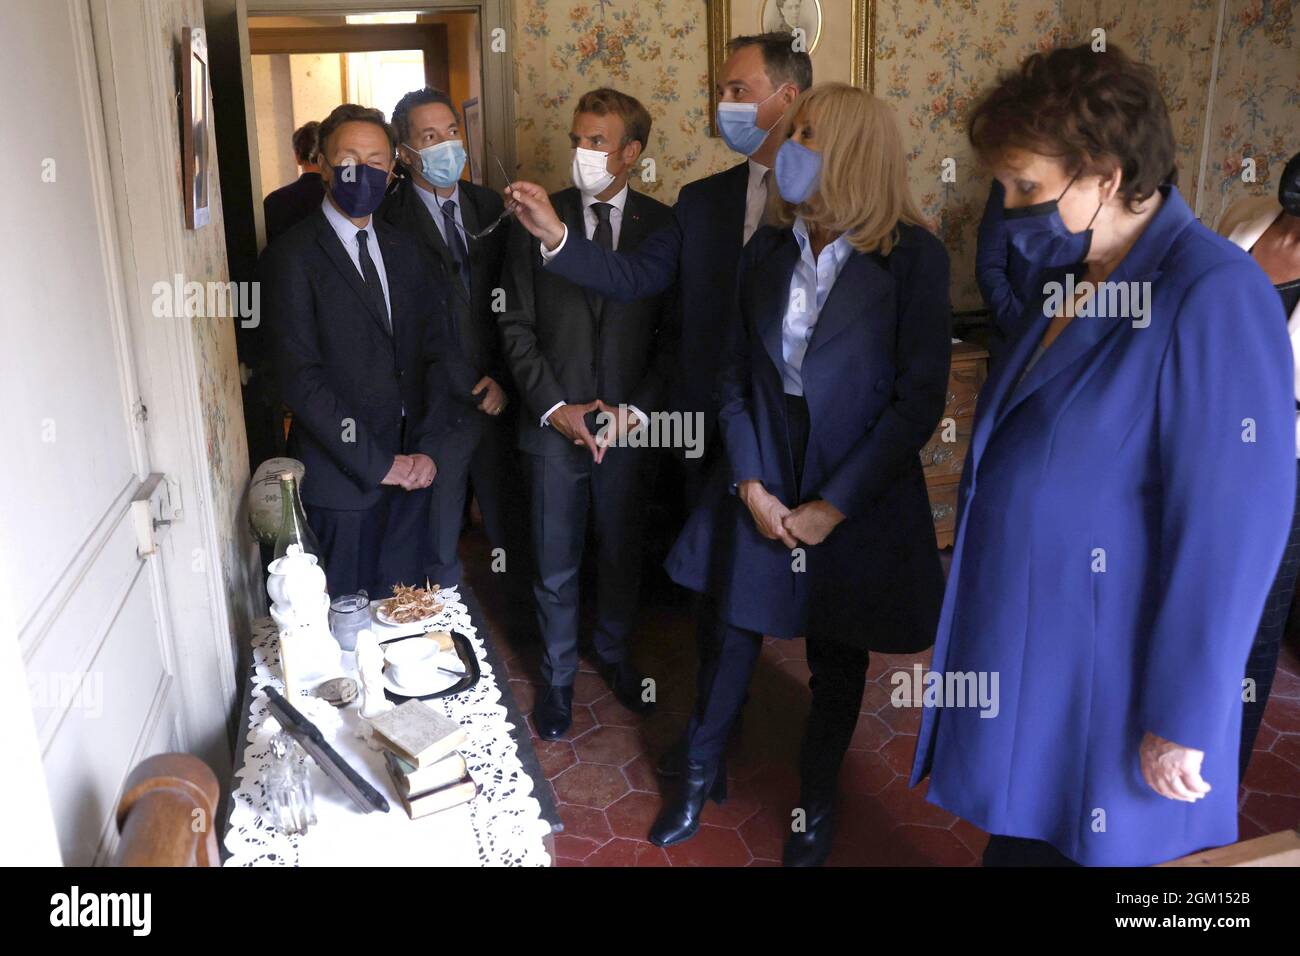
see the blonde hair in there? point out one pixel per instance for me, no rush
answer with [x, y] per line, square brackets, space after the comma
[862, 191]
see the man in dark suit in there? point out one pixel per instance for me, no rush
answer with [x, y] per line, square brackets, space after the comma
[442, 212]
[291, 204]
[700, 250]
[364, 363]
[575, 355]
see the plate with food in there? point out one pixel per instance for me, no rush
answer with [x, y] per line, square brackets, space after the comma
[409, 605]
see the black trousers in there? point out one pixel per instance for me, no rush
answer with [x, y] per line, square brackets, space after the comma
[479, 455]
[567, 492]
[1262, 663]
[374, 548]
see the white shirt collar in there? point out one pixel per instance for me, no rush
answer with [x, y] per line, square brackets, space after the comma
[839, 249]
[434, 201]
[345, 227]
[618, 200]
[756, 173]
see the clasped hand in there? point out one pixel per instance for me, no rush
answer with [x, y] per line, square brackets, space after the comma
[411, 472]
[570, 421]
[810, 523]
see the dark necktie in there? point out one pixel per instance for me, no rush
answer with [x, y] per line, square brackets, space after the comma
[374, 288]
[604, 234]
[455, 243]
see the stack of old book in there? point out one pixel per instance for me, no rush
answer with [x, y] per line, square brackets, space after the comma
[420, 752]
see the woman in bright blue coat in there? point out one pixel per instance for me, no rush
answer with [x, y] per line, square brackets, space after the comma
[1117, 524]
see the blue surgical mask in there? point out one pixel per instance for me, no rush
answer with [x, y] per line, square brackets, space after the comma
[441, 163]
[1039, 234]
[738, 125]
[358, 189]
[798, 169]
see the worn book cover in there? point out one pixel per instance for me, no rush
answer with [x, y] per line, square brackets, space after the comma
[419, 781]
[418, 734]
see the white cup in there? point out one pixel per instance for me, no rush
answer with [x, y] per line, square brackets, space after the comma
[411, 661]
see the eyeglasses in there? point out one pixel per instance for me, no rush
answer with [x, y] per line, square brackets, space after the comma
[506, 213]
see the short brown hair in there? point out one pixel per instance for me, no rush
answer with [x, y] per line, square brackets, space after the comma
[306, 142]
[781, 62]
[635, 117]
[352, 113]
[1097, 111]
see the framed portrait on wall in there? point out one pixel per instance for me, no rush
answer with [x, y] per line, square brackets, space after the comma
[839, 35]
[196, 127]
[472, 111]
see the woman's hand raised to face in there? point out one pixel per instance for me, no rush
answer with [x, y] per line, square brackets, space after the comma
[767, 511]
[1172, 771]
[535, 213]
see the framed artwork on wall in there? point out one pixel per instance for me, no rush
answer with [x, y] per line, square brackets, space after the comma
[839, 35]
[472, 113]
[196, 127]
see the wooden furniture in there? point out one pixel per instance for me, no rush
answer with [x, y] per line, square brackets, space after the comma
[167, 814]
[1276, 849]
[945, 453]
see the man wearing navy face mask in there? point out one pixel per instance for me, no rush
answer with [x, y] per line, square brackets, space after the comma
[363, 363]
[434, 206]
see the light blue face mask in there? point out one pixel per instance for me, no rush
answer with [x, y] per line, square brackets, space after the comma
[797, 170]
[441, 163]
[738, 125]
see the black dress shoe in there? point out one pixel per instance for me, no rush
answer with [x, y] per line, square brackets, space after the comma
[554, 712]
[625, 681]
[680, 818]
[813, 846]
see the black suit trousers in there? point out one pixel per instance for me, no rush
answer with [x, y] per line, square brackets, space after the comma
[568, 491]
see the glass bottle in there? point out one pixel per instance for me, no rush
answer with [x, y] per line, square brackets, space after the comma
[287, 787]
[294, 528]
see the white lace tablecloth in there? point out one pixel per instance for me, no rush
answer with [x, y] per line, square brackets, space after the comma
[502, 826]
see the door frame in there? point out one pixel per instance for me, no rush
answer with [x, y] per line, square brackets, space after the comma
[496, 82]
[137, 89]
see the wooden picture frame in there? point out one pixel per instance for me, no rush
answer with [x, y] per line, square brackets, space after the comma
[472, 116]
[840, 34]
[196, 127]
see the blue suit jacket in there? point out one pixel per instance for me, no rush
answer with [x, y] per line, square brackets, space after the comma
[1121, 517]
[1003, 274]
[699, 250]
[875, 378]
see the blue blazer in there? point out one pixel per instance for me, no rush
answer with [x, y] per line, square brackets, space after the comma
[1121, 517]
[1003, 274]
[699, 250]
[875, 378]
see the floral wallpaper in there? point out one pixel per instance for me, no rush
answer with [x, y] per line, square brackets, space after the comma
[217, 370]
[933, 58]
[1256, 108]
[655, 51]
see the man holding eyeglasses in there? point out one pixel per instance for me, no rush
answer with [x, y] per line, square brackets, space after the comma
[444, 214]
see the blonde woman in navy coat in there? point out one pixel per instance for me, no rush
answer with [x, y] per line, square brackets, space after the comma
[834, 378]
[1122, 507]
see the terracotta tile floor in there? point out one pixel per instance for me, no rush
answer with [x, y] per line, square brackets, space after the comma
[607, 792]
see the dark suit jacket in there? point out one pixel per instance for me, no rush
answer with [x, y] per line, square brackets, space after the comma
[565, 344]
[875, 379]
[471, 309]
[344, 376]
[289, 205]
[699, 250]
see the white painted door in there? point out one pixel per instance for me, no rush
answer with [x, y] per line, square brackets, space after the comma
[89, 614]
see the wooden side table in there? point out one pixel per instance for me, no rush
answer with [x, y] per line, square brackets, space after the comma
[942, 460]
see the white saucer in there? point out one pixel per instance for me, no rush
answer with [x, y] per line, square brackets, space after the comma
[436, 681]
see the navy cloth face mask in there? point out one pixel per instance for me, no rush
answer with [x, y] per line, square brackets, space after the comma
[358, 190]
[1039, 234]
[1288, 189]
[797, 170]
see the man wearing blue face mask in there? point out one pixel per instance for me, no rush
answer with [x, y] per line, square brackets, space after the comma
[364, 363]
[700, 250]
[433, 205]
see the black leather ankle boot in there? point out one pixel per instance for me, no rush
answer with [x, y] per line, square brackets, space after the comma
[813, 845]
[680, 817]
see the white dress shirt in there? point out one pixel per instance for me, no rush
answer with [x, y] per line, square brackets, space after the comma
[433, 202]
[810, 284]
[755, 198]
[589, 222]
[347, 233]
